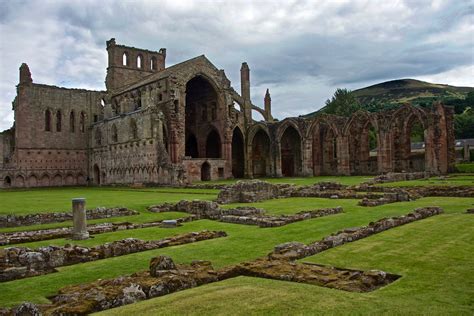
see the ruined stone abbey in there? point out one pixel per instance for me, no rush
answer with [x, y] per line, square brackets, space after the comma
[173, 125]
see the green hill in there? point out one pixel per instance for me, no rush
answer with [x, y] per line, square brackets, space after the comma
[392, 94]
[409, 90]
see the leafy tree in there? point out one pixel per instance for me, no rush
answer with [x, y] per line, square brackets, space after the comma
[464, 124]
[343, 103]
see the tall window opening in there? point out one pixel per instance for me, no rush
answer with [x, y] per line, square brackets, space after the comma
[133, 129]
[125, 59]
[47, 121]
[58, 121]
[114, 133]
[82, 122]
[139, 61]
[72, 122]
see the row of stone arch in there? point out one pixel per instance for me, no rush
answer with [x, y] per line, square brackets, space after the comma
[363, 144]
[58, 118]
[44, 180]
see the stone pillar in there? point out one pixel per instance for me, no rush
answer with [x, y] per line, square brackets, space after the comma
[343, 162]
[467, 156]
[79, 230]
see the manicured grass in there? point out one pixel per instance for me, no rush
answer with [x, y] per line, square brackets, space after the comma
[243, 243]
[59, 199]
[465, 167]
[433, 256]
[451, 180]
[347, 180]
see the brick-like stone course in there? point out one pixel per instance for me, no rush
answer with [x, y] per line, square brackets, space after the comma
[13, 220]
[20, 262]
[240, 215]
[54, 233]
[295, 250]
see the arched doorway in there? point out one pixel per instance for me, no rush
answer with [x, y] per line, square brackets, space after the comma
[96, 179]
[261, 154]
[213, 145]
[237, 153]
[290, 152]
[206, 172]
[415, 145]
[191, 149]
[32, 181]
[45, 181]
[7, 182]
[19, 181]
[201, 112]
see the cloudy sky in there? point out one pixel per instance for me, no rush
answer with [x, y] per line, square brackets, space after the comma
[301, 50]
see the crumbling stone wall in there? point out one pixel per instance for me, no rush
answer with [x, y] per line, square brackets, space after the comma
[186, 123]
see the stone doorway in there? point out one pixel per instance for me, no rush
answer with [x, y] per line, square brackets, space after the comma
[96, 175]
[7, 182]
[260, 154]
[206, 172]
[237, 154]
[290, 152]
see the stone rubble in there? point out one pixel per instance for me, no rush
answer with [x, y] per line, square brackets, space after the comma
[21, 262]
[12, 220]
[295, 250]
[240, 215]
[54, 233]
[165, 277]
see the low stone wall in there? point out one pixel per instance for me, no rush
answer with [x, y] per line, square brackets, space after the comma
[248, 192]
[399, 176]
[240, 215]
[62, 232]
[389, 197]
[165, 277]
[276, 221]
[296, 250]
[470, 211]
[20, 262]
[13, 220]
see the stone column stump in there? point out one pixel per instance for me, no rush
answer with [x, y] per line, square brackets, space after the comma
[79, 230]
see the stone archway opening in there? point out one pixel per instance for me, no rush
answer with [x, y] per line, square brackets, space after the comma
[206, 171]
[290, 144]
[260, 154]
[237, 153]
[191, 149]
[415, 145]
[202, 114]
[7, 182]
[96, 179]
[213, 145]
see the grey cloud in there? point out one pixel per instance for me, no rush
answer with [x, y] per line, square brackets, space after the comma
[301, 50]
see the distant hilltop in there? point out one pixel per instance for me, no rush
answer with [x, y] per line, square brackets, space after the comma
[409, 90]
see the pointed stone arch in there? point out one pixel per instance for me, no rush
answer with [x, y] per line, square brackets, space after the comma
[238, 153]
[260, 160]
[291, 151]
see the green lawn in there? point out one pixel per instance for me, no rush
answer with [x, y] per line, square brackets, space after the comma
[433, 256]
[347, 180]
[59, 199]
[451, 180]
[438, 249]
